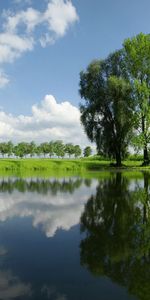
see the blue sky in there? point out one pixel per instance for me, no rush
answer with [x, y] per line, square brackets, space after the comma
[93, 30]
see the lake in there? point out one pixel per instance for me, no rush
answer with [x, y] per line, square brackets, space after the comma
[74, 238]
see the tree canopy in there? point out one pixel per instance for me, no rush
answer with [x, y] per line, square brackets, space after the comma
[107, 114]
[137, 59]
[51, 149]
[116, 91]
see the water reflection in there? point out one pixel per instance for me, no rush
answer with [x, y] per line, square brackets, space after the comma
[11, 286]
[51, 203]
[116, 226]
[42, 186]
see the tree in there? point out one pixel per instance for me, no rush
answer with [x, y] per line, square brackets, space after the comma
[51, 148]
[38, 150]
[59, 148]
[69, 149]
[3, 148]
[137, 57]
[21, 149]
[44, 148]
[32, 149]
[107, 115]
[77, 151]
[10, 147]
[87, 151]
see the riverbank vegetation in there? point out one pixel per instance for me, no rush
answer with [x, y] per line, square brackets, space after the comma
[32, 166]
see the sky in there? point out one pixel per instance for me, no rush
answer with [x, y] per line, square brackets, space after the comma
[44, 44]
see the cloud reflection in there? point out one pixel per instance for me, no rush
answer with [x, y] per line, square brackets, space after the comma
[50, 209]
[11, 287]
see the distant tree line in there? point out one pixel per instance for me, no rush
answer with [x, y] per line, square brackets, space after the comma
[51, 149]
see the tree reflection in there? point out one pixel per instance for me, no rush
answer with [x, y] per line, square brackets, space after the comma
[116, 223]
[42, 186]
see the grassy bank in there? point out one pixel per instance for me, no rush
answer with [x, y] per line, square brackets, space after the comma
[51, 165]
[87, 168]
[89, 164]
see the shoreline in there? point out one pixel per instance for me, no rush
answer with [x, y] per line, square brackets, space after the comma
[66, 165]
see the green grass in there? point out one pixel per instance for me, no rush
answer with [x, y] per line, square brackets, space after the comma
[53, 166]
[50, 164]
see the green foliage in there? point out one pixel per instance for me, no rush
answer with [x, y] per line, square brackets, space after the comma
[59, 148]
[135, 157]
[77, 151]
[44, 148]
[53, 148]
[137, 58]
[69, 149]
[116, 91]
[32, 149]
[21, 150]
[107, 115]
[6, 148]
[87, 151]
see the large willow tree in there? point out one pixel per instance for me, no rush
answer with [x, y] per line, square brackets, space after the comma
[117, 99]
[107, 114]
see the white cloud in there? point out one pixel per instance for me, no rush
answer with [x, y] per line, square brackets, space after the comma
[18, 28]
[49, 120]
[48, 211]
[30, 18]
[57, 18]
[19, 34]
[12, 46]
[4, 80]
[60, 15]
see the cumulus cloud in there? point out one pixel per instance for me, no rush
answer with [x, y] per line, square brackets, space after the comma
[18, 33]
[49, 211]
[12, 46]
[49, 120]
[57, 18]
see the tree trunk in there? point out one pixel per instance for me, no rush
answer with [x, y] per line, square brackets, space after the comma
[145, 151]
[118, 159]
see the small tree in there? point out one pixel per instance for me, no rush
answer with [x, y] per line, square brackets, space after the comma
[44, 148]
[51, 149]
[59, 148]
[87, 151]
[77, 151]
[3, 148]
[10, 147]
[19, 150]
[69, 149]
[32, 149]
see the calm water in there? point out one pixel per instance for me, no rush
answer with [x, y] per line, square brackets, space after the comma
[74, 238]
